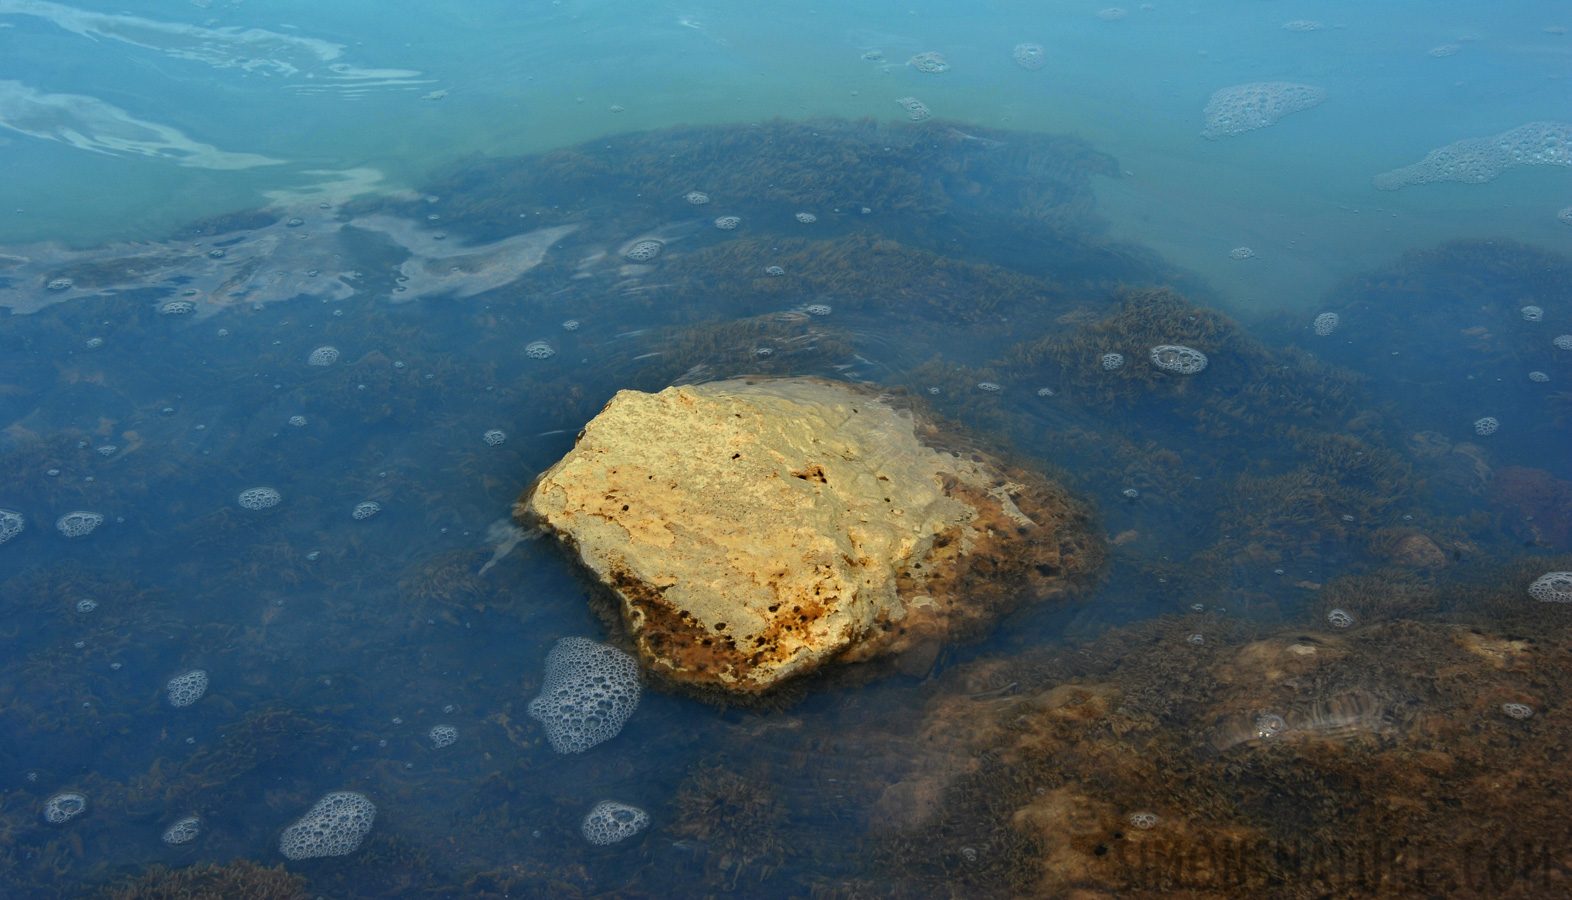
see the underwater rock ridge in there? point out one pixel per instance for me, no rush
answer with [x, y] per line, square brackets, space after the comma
[749, 532]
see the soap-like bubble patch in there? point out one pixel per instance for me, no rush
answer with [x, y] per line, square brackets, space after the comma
[807, 218]
[442, 736]
[107, 450]
[727, 223]
[260, 497]
[1111, 361]
[1552, 587]
[930, 62]
[335, 826]
[989, 386]
[817, 309]
[916, 110]
[1030, 57]
[78, 524]
[1143, 820]
[1565, 215]
[588, 693]
[1178, 358]
[697, 198]
[1340, 618]
[1486, 426]
[323, 356]
[60, 284]
[183, 831]
[365, 510]
[610, 822]
[774, 271]
[1519, 711]
[1241, 253]
[1269, 725]
[1246, 107]
[1538, 376]
[297, 421]
[1302, 25]
[539, 350]
[1532, 314]
[494, 438]
[93, 343]
[63, 807]
[1325, 324]
[177, 308]
[1478, 160]
[1562, 342]
[570, 325]
[86, 605]
[1445, 50]
[11, 524]
[1045, 392]
[186, 688]
[644, 251]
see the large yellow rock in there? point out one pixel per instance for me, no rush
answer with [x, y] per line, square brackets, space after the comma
[752, 531]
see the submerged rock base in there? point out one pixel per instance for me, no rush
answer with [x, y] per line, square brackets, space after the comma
[753, 531]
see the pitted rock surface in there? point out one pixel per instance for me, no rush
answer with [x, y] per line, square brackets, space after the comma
[753, 531]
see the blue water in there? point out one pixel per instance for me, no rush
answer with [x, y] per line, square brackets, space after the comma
[197, 196]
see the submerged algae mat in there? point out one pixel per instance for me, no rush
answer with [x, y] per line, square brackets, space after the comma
[1280, 483]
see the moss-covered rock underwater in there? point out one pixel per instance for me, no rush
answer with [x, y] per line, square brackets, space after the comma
[980, 260]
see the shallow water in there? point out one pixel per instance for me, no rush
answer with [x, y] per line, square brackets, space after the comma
[208, 194]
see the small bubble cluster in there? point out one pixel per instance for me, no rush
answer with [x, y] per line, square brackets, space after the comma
[183, 831]
[644, 251]
[1562, 342]
[1340, 618]
[588, 693]
[60, 284]
[1045, 392]
[86, 605]
[186, 688]
[1241, 253]
[727, 223]
[1478, 160]
[93, 343]
[63, 807]
[335, 826]
[1197, 639]
[774, 271]
[988, 386]
[930, 62]
[807, 218]
[1532, 314]
[107, 450]
[365, 510]
[11, 524]
[1445, 50]
[323, 356]
[297, 421]
[1486, 426]
[539, 350]
[1519, 711]
[610, 822]
[1030, 57]
[261, 497]
[1565, 215]
[916, 110]
[816, 309]
[697, 198]
[1143, 820]
[442, 736]
[1302, 25]
[1178, 358]
[570, 325]
[1325, 324]
[1130, 494]
[1246, 107]
[177, 308]
[78, 524]
[1269, 725]
[1538, 376]
[1112, 361]
[494, 438]
[1552, 587]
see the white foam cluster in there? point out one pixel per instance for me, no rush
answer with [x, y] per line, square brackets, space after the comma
[1445, 50]
[1564, 215]
[259, 498]
[365, 510]
[697, 198]
[63, 807]
[817, 309]
[588, 693]
[11, 524]
[1246, 107]
[1552, 587]
[1030, 57]
[989, 387]
[494, 438]
[335, 826]
[1562, 342]
[1144, 820]
[78, 524]
[323, 356]
[1302, 25]
[1539, 377]
[643, 251]
[774, 271]
[728, 223]
[1241, 253]
[442, 736]
[610, 822]
[1532, 314]
[930, 62]
[1111, 361]
[1519, 711]
[916, 110]
[1478, 160]
[177, 308]
[807, 218]
[539, 350]
[186, 688]
[1325, 324]
[183, 831]
[1340, 618]
[1178, 358]
[1487, 426]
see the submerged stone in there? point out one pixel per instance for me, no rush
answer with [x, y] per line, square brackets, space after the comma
[754, 531]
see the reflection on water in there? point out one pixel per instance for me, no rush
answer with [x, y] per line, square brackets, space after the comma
[1203, 720]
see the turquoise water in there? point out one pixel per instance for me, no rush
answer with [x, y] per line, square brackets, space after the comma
[200, 196]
